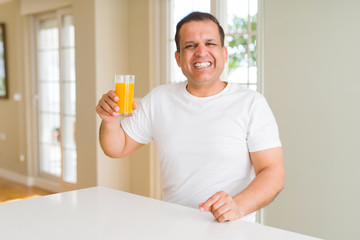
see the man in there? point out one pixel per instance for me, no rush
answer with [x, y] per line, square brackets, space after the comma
[211, 135]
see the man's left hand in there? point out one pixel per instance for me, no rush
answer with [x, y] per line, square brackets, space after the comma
[222, 206]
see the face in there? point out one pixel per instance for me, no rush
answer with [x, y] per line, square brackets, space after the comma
[201, 57]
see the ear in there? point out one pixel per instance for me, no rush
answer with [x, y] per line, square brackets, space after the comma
[177, 57]
[225, 53]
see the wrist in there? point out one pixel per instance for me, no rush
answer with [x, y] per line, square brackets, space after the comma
[241, 205]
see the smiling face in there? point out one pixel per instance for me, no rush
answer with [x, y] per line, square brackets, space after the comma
[202, 57]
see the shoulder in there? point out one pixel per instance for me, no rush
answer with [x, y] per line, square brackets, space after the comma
[244, 93]
[168, 87]
[163, 93]
[166, 90]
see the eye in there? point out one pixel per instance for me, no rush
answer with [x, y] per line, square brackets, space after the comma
[210, 44]
[190, 46]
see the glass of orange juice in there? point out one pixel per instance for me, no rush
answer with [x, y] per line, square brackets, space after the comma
[124, 89]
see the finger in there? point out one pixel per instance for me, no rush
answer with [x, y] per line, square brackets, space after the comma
[218, 204]
[221, 210]
[201, 207]
[206, 206]
[226, 216]
[105, 107]
[108, 104]
[105, 116]
[224, 204]
[135, 106]
[113, 95]
[102, 112]
[224, 199]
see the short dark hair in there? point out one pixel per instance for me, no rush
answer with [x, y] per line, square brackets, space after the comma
[197, 16]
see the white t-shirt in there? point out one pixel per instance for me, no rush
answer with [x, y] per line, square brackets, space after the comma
[204, 142]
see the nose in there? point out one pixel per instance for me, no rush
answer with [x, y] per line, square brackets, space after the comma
[200, 50]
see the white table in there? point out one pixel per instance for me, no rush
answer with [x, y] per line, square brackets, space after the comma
[102, 213]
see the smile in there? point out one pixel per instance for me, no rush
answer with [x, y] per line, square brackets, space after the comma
[202, 64]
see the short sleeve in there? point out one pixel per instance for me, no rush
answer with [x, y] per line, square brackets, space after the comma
[263, 131]
[138, 126]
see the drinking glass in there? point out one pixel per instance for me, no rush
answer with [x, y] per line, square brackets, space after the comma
[124, 89]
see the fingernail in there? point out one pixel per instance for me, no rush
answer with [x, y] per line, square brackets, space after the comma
[202, 209]
[117, 109]
[116, 98]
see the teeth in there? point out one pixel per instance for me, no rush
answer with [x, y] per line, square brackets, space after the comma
[202, 64]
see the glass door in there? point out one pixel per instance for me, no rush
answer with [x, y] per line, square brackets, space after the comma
[56, 97]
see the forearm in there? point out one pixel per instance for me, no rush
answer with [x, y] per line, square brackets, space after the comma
[112, 138]
[261, 191]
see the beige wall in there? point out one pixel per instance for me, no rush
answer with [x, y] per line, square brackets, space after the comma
[312, 82]
[139, 65]
[85, 52]
[106, 32]
[122, 47]
[112, 53]
[12, 122]
[16, 121]
[38, 6]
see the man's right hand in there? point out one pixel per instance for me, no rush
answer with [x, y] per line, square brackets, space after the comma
[107, 107]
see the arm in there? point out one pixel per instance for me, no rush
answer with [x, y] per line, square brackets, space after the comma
[269, 180]
[113, 140]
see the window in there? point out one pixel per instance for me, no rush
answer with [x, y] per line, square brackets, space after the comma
[239, 19]
[56, 96]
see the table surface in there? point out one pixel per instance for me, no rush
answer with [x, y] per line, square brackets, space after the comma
[103, 213]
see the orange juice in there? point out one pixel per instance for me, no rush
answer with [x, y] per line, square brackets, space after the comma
[125, 92]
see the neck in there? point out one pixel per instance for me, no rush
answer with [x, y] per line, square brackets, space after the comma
[205, 91]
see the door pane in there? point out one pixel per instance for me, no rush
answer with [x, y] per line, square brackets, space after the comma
[50, 128]
[239, 75]
[252, 74]
[69, 103]
[48, 35]
[69, 132]
[70, 167]
[184, 7]
[237, 49]
[241, 41]
[48, 65]
[252, 50]
[49, 95]
[50, 148]
[68, 31]
[68, 64]
[50, 156]
[238, 10]
[68, 98]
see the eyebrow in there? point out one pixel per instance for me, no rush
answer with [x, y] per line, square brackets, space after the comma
[207, 40]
